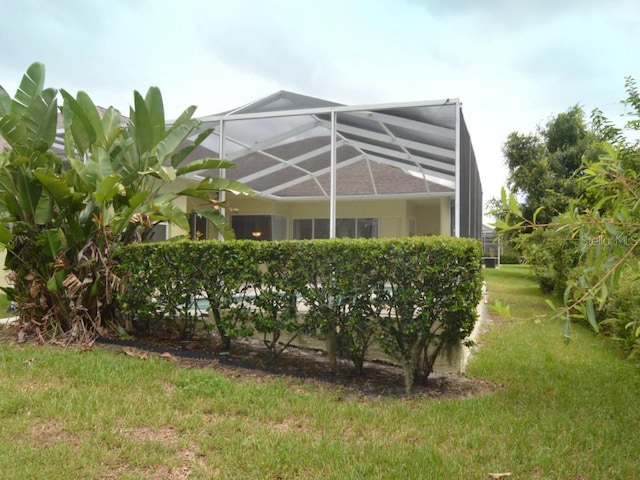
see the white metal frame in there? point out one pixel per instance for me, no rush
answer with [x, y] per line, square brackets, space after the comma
[433, 163]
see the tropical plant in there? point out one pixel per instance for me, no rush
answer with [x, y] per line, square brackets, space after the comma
[65, 210]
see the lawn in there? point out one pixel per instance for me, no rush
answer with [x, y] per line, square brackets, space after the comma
[558, 412]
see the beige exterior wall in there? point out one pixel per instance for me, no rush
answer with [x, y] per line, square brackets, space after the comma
[397, 217]
[3, 272]
[445, 216]
[429, 216]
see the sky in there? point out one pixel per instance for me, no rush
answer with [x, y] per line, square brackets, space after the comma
[512, 63]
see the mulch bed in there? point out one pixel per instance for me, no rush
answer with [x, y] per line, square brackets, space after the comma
[250, 359]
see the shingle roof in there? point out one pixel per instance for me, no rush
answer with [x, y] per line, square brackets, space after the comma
[310, 177]
[281, 146]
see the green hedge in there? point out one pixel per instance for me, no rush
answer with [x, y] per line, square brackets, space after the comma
[413, 296]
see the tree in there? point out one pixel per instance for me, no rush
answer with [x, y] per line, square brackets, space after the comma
[62, 217]
[542, 166]
[604, 221]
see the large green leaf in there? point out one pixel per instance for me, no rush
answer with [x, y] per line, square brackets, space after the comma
[172, 141]
[123, 218]
[41, 120]
[164, 198]
[153, 99]
[77, 233]
[80, 170]
[54, 284]
[204, 164]
[184, 116]
[28, 193]
[55, 242]
[5, 235]
[219, 222]
[195, 193]
[142, 130]
[107, 214]
[168, 174]
[82, 129]
[123, 153]
[67, 117]
[8, 197]
[172, 213]
[107, 189]
[44, 211]
[225, 184]
[111, 126]
[91, 113]
[13, 130]
[99, 166]
[177, 158]
[5, 102]
[29, 90]
[36, 128]
[59, 190]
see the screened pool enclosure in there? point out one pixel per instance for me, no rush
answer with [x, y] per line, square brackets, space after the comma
[322, 170]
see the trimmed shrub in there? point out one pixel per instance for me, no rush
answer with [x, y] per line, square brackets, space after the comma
[432, 299]
[277, 289]
[344, 294]
[415, 297]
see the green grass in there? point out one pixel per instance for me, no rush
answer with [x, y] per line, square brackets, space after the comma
[559, 412]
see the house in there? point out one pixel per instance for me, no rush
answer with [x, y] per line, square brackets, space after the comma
[322, 170]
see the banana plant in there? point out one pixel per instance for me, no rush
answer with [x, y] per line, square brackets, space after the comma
[63, 215]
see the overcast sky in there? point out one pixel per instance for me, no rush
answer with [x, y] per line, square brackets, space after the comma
[512, 63]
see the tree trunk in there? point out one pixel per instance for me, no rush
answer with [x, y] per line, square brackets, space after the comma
[225, 340]
[332, 347]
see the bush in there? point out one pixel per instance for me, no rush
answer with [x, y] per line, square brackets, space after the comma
[552, 256]
[620, 318]
[510, 255]
[344, 292]
[511, 258]
[413, 296]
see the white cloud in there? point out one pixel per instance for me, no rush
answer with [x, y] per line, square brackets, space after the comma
[512, 64]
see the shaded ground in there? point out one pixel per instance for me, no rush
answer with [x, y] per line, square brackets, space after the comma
[250, 358]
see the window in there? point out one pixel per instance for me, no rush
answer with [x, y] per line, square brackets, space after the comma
[309, 228]
[197, 227]
[303, 229]
[367, 227]
[279, 227]
[321, 228]
[259, 227]
[345, 228]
